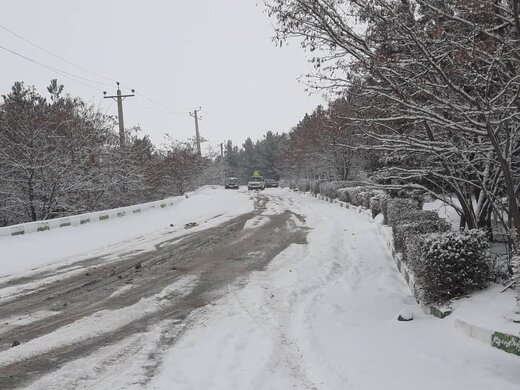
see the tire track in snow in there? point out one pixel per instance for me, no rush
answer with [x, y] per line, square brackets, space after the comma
[289, 349]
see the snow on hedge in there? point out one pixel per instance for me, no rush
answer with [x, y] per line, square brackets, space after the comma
[449, 265]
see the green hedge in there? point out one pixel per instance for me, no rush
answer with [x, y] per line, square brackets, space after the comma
[332, 189]
[395, 210]
[449, 265]
[315, 186]
[376, 203]
[422, 222]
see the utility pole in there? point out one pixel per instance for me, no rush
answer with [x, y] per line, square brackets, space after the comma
[222, 164]
[119, 98]
[197, 117]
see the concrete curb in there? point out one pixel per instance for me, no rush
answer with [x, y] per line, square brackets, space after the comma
[504, 341]
[81, 219]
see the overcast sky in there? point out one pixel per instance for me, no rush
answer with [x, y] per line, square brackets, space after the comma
[217, 54]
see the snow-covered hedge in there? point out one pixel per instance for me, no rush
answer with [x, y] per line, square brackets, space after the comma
[395, 210]
[362, 196]
[416, 195]
[304, 185]
[376, 203]
[449, 265]
[419, 222]
[348, 194]
[352, 195]
[331, 188]
[367, 194]
[284, 183]
[315, 187]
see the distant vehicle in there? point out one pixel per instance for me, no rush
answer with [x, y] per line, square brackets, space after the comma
[256, 183]
[231, 182]
[271, 183]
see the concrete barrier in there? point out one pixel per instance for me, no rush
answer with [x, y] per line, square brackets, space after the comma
[81, 219]
[504, 341]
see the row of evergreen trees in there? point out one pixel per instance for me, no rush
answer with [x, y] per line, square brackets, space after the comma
[265, 155]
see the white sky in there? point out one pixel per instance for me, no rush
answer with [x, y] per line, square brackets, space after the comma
[216, 54]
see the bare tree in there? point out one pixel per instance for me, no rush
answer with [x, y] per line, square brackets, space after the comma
[179, 169]
[444, 79]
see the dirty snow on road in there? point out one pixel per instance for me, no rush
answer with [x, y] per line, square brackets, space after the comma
[206, 207]
[320, 314]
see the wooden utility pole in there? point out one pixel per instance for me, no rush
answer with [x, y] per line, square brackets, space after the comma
[197, 135]
[222, 164]
[119, 98]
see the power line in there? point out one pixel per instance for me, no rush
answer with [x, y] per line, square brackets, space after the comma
[56, 70]
[69, 75]
[173, 110]
[73, 78]
[161, 111]
[109, 107]
[54, 55]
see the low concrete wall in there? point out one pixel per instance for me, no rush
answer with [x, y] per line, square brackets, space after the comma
[504, 341]
[80, 219]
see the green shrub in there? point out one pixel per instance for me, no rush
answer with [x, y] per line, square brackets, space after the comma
[331, 188]
[363, 197]
[315, 186]
[343, 195]
[376, 203]
[350, 194]
[422, 222]
[304, 185]
[449, 265]
[359, 195]
[396, 209]
[416, 195]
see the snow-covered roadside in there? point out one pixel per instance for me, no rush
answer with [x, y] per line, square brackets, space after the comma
[323, 315]
[207, 206]
[491, 309]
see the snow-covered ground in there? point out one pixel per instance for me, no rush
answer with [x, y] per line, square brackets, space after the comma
[445, 211]
[208, 207]
[322, 315]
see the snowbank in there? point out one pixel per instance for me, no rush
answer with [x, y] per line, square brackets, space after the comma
[208, 207]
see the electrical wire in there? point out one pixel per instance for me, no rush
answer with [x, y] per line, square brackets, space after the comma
[70, 75]
[55, 55]
[173, 110]
[153, 109]
[53, 69]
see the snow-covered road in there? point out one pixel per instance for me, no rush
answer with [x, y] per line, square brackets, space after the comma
[323, 316]
[319, 314]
